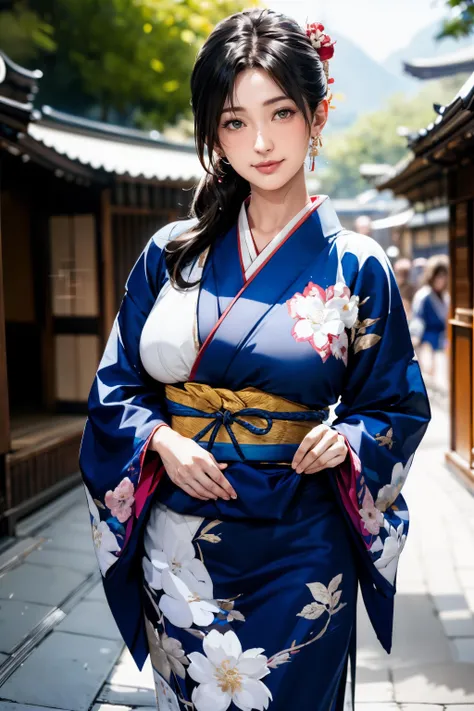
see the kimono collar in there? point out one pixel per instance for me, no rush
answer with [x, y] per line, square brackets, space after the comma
[251, 259]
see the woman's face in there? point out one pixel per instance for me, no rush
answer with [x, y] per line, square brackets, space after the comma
[440, 282]
[262, 125]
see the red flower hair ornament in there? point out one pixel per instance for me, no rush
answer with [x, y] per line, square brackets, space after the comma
[324, 46]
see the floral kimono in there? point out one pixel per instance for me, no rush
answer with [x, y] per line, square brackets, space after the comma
[251, 603]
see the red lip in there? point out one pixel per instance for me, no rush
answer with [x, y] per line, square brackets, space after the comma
[267, 163]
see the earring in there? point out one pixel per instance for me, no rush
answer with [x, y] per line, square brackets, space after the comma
[316, 144]
[223, 160]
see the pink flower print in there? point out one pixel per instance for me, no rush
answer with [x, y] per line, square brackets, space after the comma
[322, 317]
[121, 500]
[372, 518]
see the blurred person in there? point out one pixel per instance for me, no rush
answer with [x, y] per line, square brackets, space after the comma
[402, 269]
[418, 268]
[430, 313]
[232, 523]
[363, 225]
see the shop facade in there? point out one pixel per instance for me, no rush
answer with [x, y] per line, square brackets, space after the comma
[78, 201]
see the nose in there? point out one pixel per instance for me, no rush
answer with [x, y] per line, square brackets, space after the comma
[263, 143]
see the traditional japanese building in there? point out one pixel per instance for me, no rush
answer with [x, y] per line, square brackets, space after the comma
[78, 201]
[442, 66]
[441, 170]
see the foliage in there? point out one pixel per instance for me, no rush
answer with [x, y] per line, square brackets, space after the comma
[374, 138]
[461, 20]
[23, 33]
[131, 59]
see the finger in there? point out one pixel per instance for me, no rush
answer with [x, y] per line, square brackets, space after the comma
[307, 444]
[327, 441]
[200, 487]
[217, 476]
[319, 465]
[207, 481]
[188, 489]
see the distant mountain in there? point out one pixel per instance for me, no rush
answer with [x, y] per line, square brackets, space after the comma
[423, 46]
[362, 83]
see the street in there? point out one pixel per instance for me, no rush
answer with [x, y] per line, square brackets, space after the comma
[60, 648]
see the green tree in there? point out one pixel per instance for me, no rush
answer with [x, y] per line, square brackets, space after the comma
[460, 22]
[374, 138]
[127, 59]
[23, 34]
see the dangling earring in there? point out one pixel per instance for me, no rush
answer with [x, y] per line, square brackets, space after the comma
[226, 162]
[316, 144]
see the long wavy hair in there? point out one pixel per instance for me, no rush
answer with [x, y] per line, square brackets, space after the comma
[250, 39]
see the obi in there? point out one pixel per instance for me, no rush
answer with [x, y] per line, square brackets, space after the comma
[248, 424]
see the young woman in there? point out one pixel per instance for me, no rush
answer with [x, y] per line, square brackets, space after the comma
[430, 313]
[232, 523]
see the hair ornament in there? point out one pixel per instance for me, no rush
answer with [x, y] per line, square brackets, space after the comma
[324, 46]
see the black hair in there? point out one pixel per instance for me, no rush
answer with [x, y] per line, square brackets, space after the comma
[250, 39]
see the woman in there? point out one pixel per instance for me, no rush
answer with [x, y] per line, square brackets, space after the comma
[231, 522]
[430, 313]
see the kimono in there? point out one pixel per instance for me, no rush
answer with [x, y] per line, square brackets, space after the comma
[240, 601]
[430, 313]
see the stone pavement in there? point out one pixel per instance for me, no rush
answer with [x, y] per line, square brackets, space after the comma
[60, 648]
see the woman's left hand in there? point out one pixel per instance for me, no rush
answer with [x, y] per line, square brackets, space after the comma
[321, 448]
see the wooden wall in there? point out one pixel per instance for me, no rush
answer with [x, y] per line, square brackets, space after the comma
[131, 213]
[461, 320]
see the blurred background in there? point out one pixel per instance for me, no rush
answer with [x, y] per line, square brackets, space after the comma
[96, 154]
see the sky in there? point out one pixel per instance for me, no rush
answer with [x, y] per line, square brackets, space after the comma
[378, 26]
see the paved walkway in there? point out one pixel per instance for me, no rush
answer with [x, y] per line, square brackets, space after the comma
[60, 649]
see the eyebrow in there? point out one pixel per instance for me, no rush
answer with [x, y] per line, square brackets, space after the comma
[265, 103]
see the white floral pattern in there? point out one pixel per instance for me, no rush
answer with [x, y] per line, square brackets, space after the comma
[226, 674]
[388, 493]
[171, 565]
[391, 549]
[105, 542]
[322, 317]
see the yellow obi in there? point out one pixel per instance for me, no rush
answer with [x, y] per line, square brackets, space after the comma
[246, 424]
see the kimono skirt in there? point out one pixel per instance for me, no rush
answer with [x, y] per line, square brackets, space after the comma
[269, 581]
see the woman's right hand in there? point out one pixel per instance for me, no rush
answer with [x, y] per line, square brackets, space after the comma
[191, 467]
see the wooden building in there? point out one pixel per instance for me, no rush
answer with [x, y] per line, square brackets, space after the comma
[462, 60]
[442, 168]
[417, 234]
[78, 201]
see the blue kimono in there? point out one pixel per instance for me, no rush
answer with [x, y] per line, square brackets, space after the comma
[267, 584]
[430, 314]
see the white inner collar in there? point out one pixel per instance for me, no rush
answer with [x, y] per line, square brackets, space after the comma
[251, 260]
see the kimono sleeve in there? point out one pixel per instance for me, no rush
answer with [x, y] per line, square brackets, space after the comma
[383, 414]
[125, 408]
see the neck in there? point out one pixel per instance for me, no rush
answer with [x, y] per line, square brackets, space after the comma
[270, 210]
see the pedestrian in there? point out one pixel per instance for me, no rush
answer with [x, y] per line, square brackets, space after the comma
[232, 522]
[430, 313]
[363, 225]
[402, 270]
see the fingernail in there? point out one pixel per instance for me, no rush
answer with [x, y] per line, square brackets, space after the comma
[234, 496]
[298, 471]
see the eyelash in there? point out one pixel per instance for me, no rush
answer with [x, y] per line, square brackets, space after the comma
[227, 123]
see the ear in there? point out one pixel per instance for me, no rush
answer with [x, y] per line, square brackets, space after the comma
[320, 117]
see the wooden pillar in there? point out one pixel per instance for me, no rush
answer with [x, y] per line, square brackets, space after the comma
[107, 264]
[4, 406]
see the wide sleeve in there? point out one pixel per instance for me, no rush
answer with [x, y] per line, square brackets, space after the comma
[125, 408]
[383, 414]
